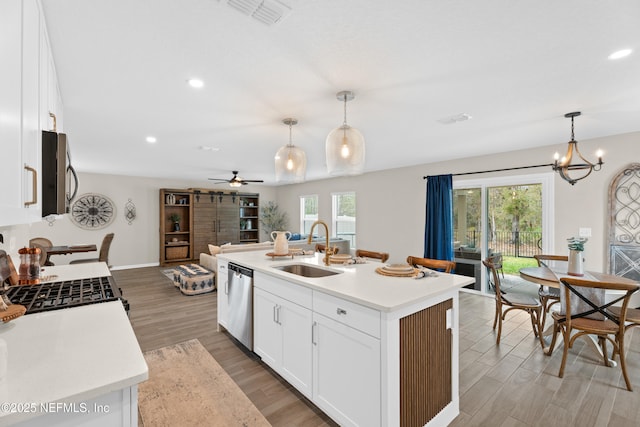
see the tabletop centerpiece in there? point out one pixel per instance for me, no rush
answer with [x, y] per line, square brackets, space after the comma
[576, 261]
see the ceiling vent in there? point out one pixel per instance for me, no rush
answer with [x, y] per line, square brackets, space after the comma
[268, 12]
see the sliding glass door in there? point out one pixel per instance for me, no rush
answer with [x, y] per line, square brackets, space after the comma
[508, 218]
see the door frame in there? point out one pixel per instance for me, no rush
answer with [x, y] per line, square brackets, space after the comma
[548, 198]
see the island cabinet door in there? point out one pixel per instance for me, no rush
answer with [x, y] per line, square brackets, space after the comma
[282, 338]
[267, 333]
[346, 373]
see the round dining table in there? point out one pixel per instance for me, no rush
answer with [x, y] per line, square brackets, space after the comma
[547, 277]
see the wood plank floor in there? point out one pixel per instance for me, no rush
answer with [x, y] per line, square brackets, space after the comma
[510, 385]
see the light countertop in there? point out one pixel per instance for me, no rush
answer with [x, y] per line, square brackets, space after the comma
[68, 355]
[358, 283]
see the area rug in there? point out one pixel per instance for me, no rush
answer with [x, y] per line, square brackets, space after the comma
[187, 387]
[168, 273]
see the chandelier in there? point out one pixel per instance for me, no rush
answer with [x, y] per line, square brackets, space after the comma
[345, 145]
[582, 167]
[290, 161]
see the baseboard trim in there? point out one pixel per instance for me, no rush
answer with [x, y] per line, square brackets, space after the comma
[127, 267]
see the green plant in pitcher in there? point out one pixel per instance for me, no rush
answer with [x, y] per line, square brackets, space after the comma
[576, 243]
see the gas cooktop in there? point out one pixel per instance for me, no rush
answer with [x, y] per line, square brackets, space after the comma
[65, 294]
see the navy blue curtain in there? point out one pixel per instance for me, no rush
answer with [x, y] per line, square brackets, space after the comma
[438, 230]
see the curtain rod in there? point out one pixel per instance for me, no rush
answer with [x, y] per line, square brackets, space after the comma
[498, 170]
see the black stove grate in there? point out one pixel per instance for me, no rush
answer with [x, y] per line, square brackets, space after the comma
[65, 294]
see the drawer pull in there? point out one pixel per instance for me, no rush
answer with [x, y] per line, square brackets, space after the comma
[341, 311]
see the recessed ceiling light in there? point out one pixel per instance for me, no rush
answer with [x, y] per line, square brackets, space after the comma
[207, 148]
[151, 139]
[197, 83]
[620, 54]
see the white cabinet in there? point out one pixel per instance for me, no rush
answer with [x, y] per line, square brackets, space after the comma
[22, 84]
[222, 284]
[12, 172]
[282, 329]
[346, 361]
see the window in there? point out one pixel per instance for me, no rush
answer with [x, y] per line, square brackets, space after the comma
[508, 217]
[343, 217]
[308, 212]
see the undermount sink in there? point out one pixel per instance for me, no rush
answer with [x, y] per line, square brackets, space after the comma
[306, 270]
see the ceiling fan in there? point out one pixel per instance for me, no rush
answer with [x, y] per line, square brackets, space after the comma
[235, 181]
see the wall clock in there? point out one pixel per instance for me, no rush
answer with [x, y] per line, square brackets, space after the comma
[93, 211]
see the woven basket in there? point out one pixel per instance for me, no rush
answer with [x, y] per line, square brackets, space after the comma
[178, 252]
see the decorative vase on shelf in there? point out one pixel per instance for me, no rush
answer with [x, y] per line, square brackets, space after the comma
[575, 267]
[176, 226]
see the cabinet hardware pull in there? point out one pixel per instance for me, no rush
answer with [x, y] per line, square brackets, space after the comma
[341, 311]
[275, 319]
[313, 333]
[34, 186]
[278, 311]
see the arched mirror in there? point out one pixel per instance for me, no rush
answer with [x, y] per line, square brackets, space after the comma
[624, 223]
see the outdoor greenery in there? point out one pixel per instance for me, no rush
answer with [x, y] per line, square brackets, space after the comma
[272, 219]
[514, 218]
[512, 265]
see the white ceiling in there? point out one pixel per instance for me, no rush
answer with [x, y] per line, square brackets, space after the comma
[515, 66]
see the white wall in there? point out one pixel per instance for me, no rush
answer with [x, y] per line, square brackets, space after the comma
[391, 204]
[133, 245]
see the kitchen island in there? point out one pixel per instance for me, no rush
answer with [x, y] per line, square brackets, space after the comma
[367, 349]
[72, 366]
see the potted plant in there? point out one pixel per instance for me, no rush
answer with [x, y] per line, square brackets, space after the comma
[175, 218]
[576, 247]
[272, 219]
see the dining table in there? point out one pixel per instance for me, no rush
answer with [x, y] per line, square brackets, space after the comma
[69, 249]
[546, 276]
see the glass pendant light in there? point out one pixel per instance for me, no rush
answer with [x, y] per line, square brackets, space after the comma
[291, 161]
[566, 165]
[345, 145]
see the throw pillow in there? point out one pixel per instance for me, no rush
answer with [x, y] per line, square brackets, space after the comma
[214, 250]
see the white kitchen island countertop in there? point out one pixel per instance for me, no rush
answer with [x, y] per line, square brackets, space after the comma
[69, 355]
[356, 282]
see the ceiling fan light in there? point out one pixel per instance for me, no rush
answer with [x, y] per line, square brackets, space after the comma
[235, 184]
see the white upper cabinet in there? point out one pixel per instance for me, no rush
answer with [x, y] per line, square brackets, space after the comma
[11, 172]
[25, 55]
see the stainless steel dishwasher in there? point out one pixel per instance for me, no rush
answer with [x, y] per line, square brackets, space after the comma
[240, 297]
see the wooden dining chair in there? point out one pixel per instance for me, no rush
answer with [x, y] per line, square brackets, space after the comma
[103, 255]
[513, 301]
[592, 319]
[548, 296]
[43, 243]
[382, 256]
[434, 264]
[632, 319]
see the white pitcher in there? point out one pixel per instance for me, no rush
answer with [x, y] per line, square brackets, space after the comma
[280, 242]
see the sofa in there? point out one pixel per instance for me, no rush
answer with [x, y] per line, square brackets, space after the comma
[209, 260]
